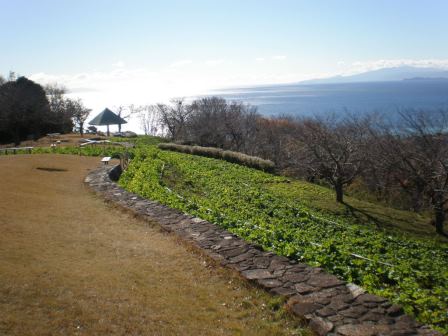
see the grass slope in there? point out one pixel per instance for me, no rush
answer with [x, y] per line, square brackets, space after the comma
[358, 211]
[301, 221]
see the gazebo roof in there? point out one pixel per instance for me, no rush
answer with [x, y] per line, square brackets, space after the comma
[107, 117]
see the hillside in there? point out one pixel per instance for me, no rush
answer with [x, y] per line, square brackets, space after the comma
[389, 252]
[300, 221]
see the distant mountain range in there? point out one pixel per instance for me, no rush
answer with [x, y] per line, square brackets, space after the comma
[386, 75]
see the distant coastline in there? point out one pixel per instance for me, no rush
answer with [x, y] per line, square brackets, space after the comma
[426, 79]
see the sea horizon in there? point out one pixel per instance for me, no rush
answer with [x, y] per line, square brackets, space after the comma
[302, 99]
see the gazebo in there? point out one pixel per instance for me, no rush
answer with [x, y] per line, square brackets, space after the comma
[106, 118]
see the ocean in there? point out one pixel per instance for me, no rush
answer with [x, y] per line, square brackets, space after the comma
[359, 98]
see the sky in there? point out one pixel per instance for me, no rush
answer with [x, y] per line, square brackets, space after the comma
[111, 52]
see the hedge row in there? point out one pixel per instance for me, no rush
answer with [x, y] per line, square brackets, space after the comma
[218, 153]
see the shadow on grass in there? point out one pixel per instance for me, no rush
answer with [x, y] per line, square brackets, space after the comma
[52, 169]
[358, 213]
[381, 223]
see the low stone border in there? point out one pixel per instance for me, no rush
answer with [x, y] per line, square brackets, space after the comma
[331, 306]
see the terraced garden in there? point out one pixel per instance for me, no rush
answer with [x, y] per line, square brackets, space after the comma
[268, 210]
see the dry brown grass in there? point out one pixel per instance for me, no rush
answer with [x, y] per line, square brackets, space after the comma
[70, 139]
[218, 153]
[72, 265]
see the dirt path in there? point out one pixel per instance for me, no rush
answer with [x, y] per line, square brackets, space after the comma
[72, 265]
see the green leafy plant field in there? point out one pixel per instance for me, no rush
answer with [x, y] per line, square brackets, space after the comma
[141, 140]
[267, 209]
[75, 150]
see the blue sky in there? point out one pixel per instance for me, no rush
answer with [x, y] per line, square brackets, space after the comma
[144, 51]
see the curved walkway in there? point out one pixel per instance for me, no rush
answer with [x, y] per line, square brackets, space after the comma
[72, 265]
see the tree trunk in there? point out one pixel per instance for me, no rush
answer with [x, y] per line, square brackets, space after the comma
[439, 219]
[119, 128]
[339, 192]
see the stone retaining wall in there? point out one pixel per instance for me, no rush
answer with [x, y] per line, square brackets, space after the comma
[331, 306]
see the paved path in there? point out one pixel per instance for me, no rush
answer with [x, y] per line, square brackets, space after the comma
[72, 265]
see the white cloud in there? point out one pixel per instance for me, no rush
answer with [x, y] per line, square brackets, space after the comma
[260, 59]
[129, 86]
[363, 66]
[181, 63]
[44, 78]
[279, 58]
[214, 62]
[125, 86]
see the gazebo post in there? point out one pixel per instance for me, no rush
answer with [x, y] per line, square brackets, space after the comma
[108, 134]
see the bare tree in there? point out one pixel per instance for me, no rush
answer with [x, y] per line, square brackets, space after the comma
[174, 118]
[78, 112]
[58, 106]
[240, 126]
[274, 140]
[149, 119]
[215, 122]
[333, 150]
[418, 150]
[125, 112]
[207, 122]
